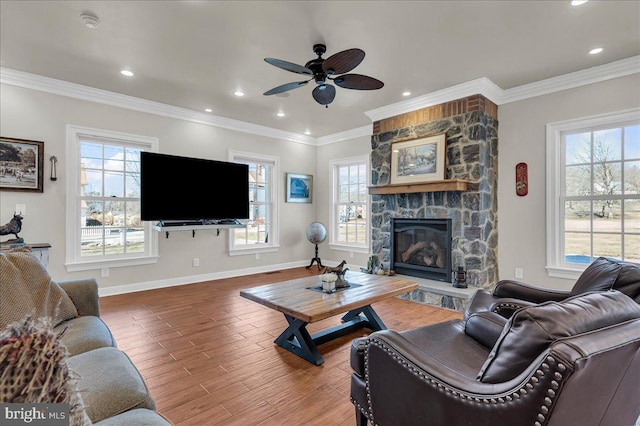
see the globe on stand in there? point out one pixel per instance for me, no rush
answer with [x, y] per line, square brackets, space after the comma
[316, 233]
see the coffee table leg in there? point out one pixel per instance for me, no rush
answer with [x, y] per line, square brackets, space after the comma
[373, 322]
[297, 339]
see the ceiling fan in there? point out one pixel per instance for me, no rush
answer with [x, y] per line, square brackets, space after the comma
[321, 70]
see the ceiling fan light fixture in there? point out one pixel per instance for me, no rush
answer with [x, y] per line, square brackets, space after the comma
[321, 69]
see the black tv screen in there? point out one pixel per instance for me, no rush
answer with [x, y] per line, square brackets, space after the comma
[183, 188]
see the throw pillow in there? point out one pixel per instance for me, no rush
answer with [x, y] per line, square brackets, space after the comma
[33, 368]
[532, 329]
[27, 288]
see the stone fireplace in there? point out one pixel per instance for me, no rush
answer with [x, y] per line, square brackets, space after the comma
[471, 129]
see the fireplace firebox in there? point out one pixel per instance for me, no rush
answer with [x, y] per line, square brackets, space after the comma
[421, 248]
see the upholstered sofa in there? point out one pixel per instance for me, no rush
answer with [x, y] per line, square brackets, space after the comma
[569, 362]
[111, 388]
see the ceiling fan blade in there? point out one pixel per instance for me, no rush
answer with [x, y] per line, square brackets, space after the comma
[358, 82]
[324, 94]
[342, 62]
[285, 87]
[289, 66]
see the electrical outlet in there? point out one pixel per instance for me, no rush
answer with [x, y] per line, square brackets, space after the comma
[104, 272]
[21, 209]
[518, 273]
[257, 256]
[350, 255]
[196, 261]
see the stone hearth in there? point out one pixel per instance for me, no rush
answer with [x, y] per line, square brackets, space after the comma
[471, 129]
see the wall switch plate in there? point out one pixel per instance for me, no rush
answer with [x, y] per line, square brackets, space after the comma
[519, 273]
[104, 272]
[257, 256]
[21, 209]
[196, 261]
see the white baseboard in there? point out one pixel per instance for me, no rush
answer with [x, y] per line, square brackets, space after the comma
[172, 282]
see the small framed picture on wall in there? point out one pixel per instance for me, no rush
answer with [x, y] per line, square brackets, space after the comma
[299, 188]
[21, 165]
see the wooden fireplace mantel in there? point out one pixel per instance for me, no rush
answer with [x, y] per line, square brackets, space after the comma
[433, 186]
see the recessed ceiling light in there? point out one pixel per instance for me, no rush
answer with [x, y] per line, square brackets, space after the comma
[126, 73]
[578, 2]
[407, 93]
[595, 51]
[307, 132]
[90, 20]
[208, 110]
[238, 93]
[280, 114]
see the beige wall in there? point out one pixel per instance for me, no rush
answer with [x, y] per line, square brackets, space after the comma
[29, 114]
[522, 137]
[33, 115]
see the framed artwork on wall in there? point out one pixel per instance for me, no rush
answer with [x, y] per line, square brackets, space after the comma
[299, 188]
[418, 160]
[21, 165]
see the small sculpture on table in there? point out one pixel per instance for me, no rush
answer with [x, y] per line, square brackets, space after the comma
[339, 270]
[13, 227]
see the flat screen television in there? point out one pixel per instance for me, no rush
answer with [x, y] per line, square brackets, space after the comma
[174, 188]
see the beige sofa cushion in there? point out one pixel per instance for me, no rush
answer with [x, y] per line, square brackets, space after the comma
[109, 383]
[83, 334]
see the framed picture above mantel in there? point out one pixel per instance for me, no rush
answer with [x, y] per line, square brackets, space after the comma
[418, 160]
[21, 165]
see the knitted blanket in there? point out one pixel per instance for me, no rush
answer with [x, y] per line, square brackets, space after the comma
[27, 289]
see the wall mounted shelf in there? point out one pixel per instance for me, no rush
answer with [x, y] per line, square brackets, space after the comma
[189, 226]
[433, 186]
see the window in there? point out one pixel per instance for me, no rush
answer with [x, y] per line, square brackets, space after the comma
[350, 215]
[103, 202]
[261, 233]
[593, 191]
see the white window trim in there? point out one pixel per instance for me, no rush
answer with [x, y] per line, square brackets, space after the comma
[554, 181]
[341, 246]
[274, 231]
[73, 261]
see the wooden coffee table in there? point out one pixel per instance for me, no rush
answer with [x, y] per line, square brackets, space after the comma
[301, 304]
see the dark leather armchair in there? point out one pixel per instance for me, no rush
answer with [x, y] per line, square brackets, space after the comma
[574, 362]
[603, 274]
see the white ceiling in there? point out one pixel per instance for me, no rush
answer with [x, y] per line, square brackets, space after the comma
[195, 54]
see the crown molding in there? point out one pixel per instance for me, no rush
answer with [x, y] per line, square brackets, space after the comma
[597, 74]
[485, 87]
[346, 135]
[482, 86]
[64, 88]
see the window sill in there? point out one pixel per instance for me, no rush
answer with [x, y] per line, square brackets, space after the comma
[253, 250]
[564, 272]
[110, 263]
[346, 247]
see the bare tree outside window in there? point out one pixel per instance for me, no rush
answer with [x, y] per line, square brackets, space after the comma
[601, 202]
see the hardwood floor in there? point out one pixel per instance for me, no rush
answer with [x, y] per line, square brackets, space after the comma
[208, 357]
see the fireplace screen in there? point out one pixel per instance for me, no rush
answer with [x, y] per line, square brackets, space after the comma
[422, 248]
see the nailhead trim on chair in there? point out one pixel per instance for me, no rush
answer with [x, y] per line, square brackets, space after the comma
[541, 418]
[498, 307]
